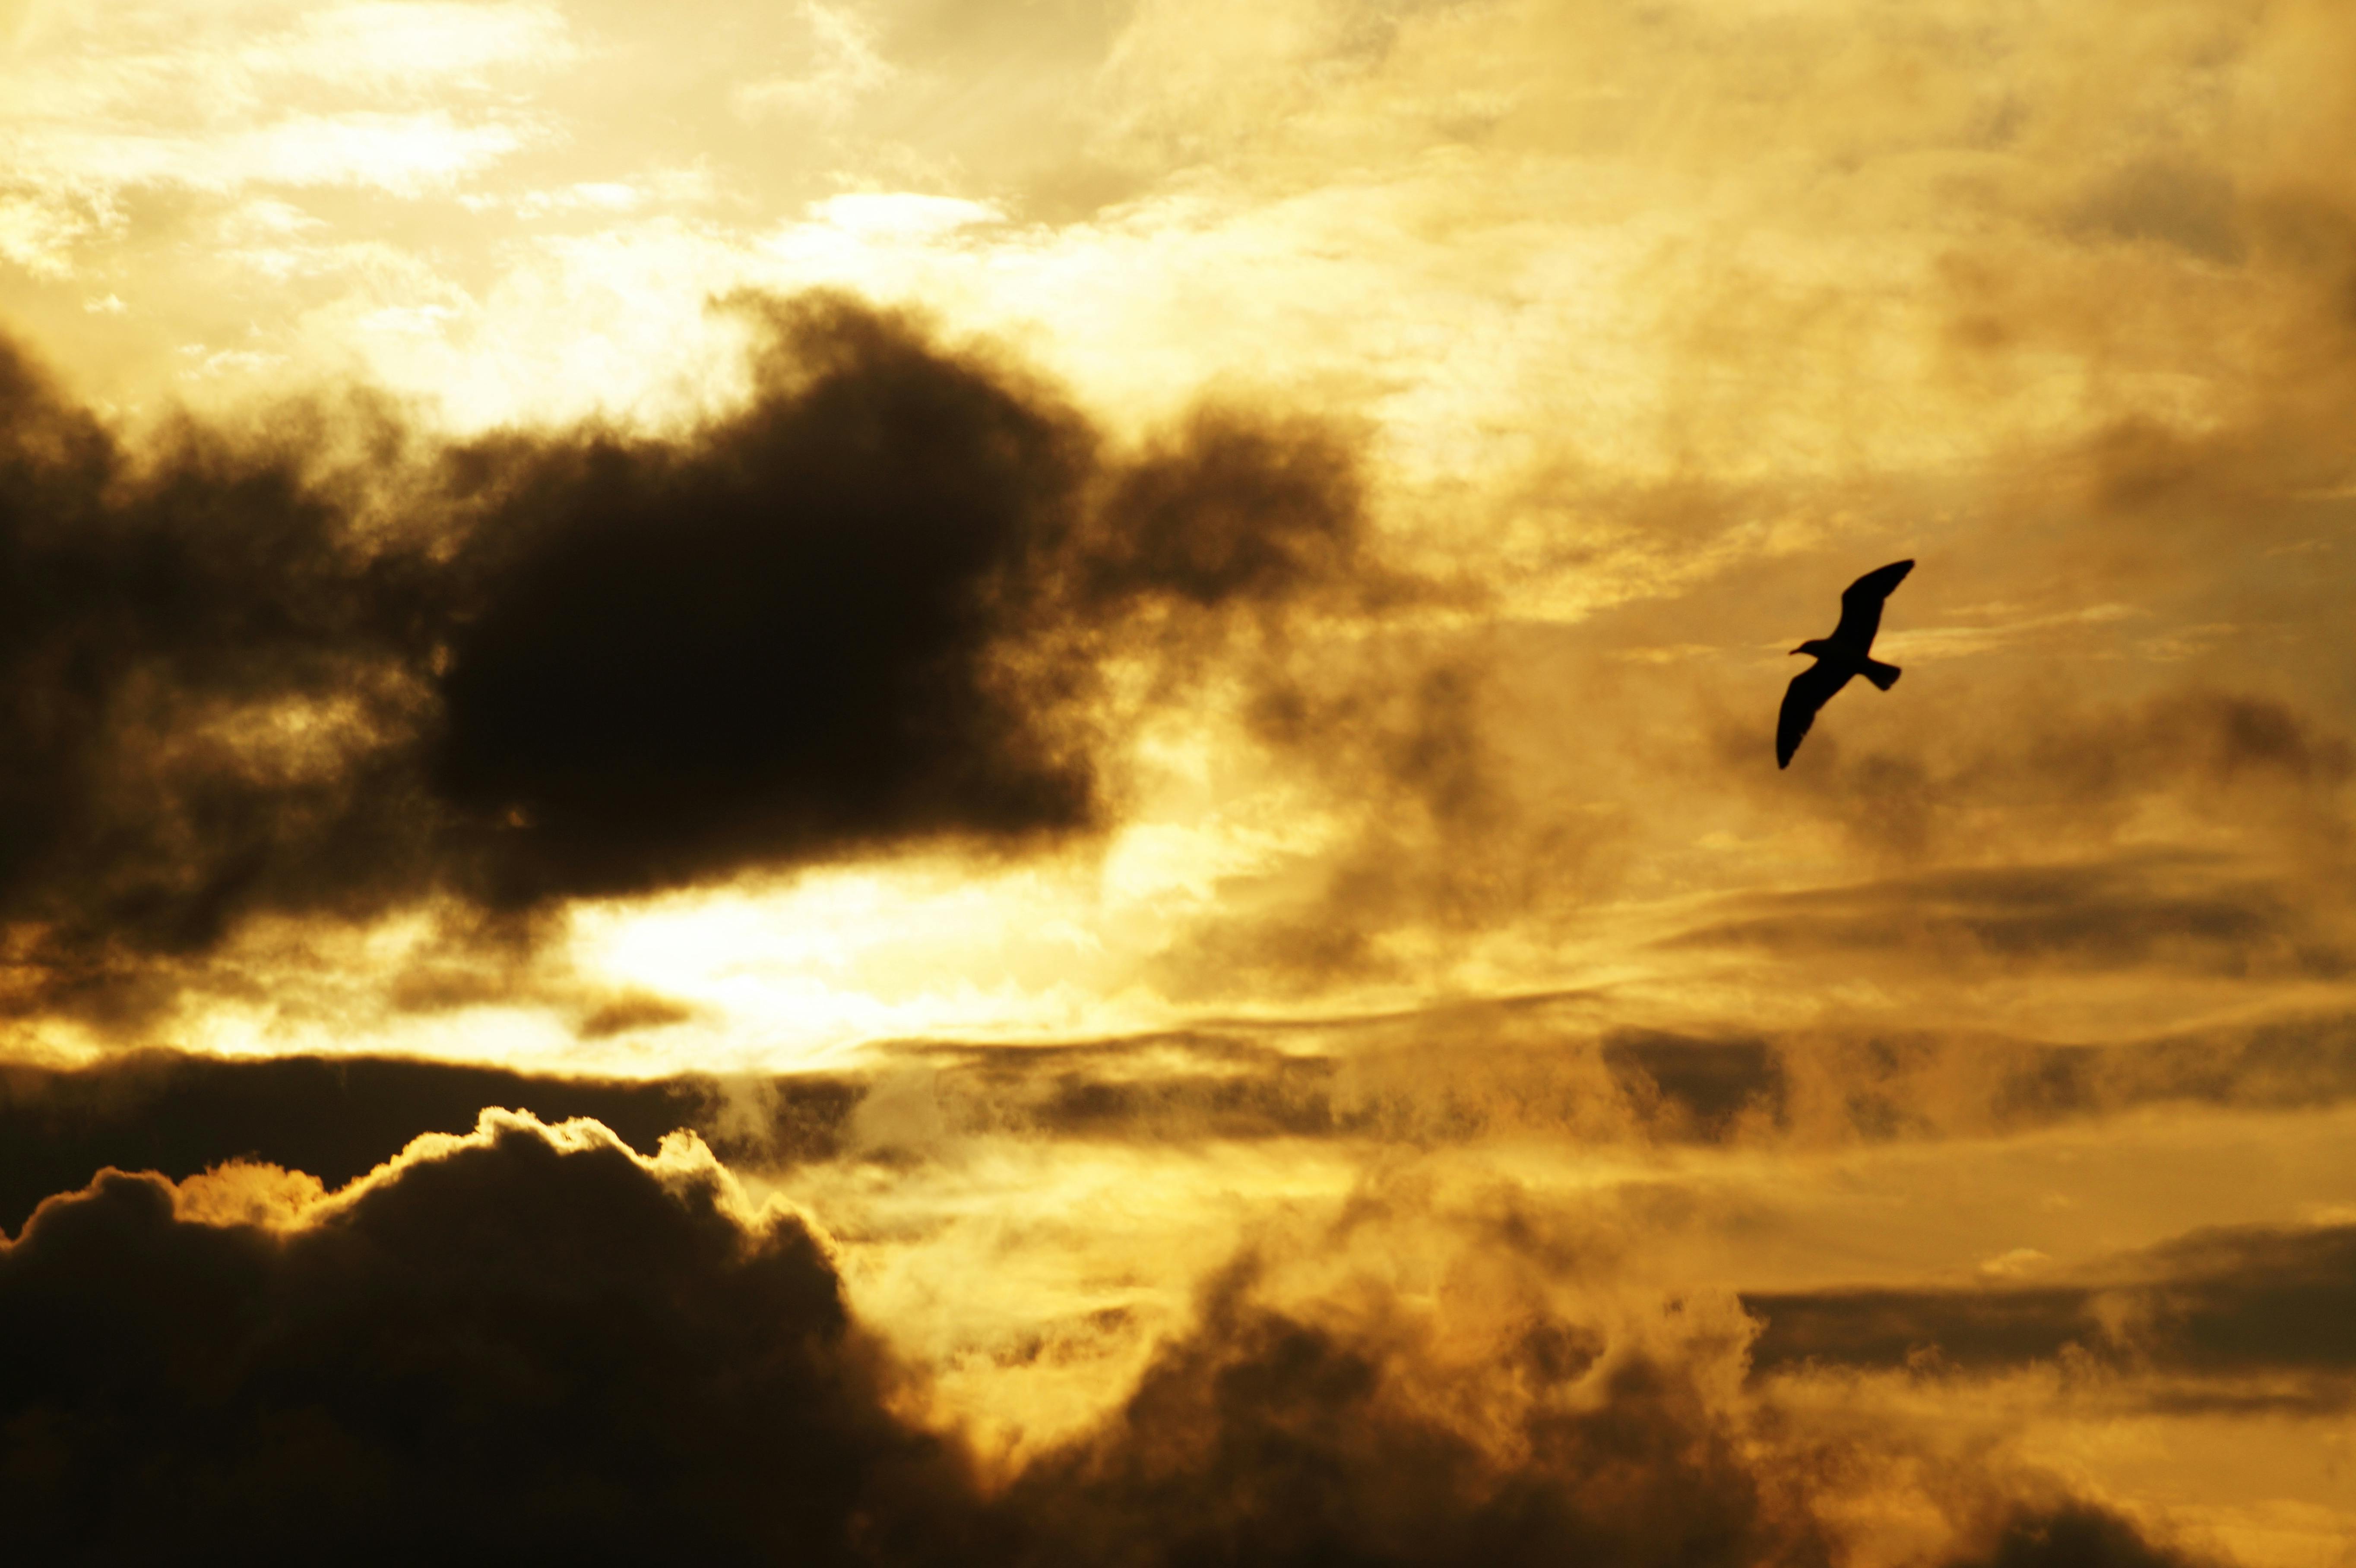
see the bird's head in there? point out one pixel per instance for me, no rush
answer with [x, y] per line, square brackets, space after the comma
[1812, 646]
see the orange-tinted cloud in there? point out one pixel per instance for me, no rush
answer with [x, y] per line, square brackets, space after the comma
[873, 608]
[530, 1339]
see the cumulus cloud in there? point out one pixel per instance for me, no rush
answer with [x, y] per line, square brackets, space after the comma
[1663, 320]
[1262, 1437]
[181, 1114]
[530, 1340]
[527, 1341]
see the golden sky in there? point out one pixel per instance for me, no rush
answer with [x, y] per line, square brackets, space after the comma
[1129, 650]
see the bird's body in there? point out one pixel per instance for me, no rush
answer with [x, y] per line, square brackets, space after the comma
[1848, 653]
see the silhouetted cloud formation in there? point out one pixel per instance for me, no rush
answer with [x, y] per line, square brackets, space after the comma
[205, 672]
[1265, 1438]
[531, 1341]
[337, 1119]
[866, 610]
[798, 632]
[243, 673]
[532, 1344]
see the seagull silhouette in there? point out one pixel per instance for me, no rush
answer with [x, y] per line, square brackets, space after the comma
[1848, 652]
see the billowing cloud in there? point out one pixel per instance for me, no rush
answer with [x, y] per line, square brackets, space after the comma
[528, 1340]
[206, 671]
[873, 607]
[1262, 1437]
[1249, 735]
[531, 1339]
[867, 611]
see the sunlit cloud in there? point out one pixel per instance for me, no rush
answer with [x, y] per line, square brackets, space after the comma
[1129, 651]
[844, 67]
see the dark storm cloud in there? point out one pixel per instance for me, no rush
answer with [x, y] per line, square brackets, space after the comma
[794, 637]
[200, 655]
[866, 610]
[2244, 1308]
[534, 1343]
[521, 1349]
[327, 667]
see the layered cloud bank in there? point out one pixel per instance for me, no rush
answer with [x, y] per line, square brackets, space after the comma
[530, 1339]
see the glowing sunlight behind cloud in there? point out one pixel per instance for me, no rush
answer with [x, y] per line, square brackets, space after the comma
[1123, 656]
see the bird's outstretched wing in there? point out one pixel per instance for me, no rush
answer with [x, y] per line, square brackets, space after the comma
[1810, 690]
[1861, 604]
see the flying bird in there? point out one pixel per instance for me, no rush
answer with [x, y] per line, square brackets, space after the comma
[1848, 652]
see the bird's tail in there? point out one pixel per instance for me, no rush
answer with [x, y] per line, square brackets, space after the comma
[1884, 676]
